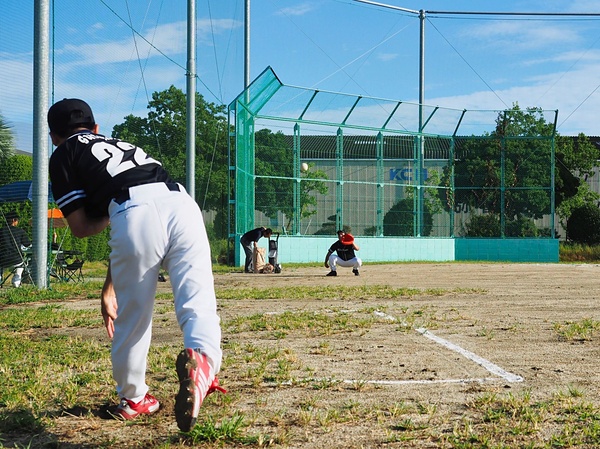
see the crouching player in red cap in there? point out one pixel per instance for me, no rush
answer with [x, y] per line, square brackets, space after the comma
[342, 253]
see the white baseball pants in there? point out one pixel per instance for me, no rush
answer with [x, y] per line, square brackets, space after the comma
[335, 260]
[158, 227]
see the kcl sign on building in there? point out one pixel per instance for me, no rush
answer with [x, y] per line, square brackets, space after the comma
[406, 174]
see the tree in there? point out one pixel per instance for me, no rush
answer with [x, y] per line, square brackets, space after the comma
[18, 167]
[583, 226]
[579, 156]
[399, 220]
[7, 140]
[510, 167]
[163, 135]
[274, 187]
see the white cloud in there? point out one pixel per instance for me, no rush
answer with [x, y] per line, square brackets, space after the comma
[16, 101]
[387, 56]
[167, 39]
[297, 10]
[575, 95]
[97, 26]
[586, 6]
[575, 56]
[523, 34]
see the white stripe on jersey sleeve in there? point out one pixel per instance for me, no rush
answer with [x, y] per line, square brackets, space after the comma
[70, 197]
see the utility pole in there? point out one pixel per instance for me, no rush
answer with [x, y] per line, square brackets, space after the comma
[190, 140]
[39, 186]
[247, 45]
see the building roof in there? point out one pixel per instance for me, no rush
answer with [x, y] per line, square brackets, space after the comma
[394, 146]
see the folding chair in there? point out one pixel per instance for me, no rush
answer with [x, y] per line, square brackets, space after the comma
[72, 271]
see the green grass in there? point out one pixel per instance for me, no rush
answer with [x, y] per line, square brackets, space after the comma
[333, 292]
[47, 317]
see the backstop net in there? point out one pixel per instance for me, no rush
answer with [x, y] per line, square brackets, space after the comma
[308, 162]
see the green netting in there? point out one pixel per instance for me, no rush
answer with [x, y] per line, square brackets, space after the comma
[374, 170]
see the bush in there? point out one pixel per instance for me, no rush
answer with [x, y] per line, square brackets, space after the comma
[583, 226]
[399, 220]
[483, 226]
[521, 227]
[489, 226]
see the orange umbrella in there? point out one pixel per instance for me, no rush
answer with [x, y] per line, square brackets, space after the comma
[57, 217]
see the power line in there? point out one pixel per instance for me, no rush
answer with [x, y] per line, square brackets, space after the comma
[157, 49]
[423, 13]
[470, 66]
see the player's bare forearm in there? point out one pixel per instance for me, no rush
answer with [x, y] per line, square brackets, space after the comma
[108, 304]
[327, 259]
[83, 226]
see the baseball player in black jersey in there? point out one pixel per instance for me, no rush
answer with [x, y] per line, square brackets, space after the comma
[342, 253]
[154, 223]
[249, 241]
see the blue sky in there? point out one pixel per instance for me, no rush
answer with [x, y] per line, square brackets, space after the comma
[471, 61]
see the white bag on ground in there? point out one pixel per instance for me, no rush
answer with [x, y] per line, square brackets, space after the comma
[258, 259]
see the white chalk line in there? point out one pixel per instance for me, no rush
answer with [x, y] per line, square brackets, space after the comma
[492, 368]
[386, 382]
[489, 366]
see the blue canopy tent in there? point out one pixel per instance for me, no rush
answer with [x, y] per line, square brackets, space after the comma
[20, 191]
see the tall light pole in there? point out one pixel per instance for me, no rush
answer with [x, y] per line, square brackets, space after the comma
[190, 140]
[41, 70]
[247, 44]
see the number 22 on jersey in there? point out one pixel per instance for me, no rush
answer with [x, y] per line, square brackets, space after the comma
[116, 153]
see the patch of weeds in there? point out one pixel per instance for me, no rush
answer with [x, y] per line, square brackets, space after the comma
[407, 424]
[416, 318]
[360, 384]
[57, 292]
[269, 364]
[332, 292]
[327, 417]
[45, 373]
[304, 417]
[323, 348]
[47, 317]
[165, 308]
[504, 421]
[398, 409]
[19, 419]
[229, 430]
[325, 383]
[165, 296]
[583, 330]
[309, 403]
[311, 323]
[486, 333]
[426, 408]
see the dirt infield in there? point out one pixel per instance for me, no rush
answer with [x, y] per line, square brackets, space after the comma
[496, 329]
[467, 329]
[503, 313]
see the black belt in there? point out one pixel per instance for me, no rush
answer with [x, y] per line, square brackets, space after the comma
[124, 194]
